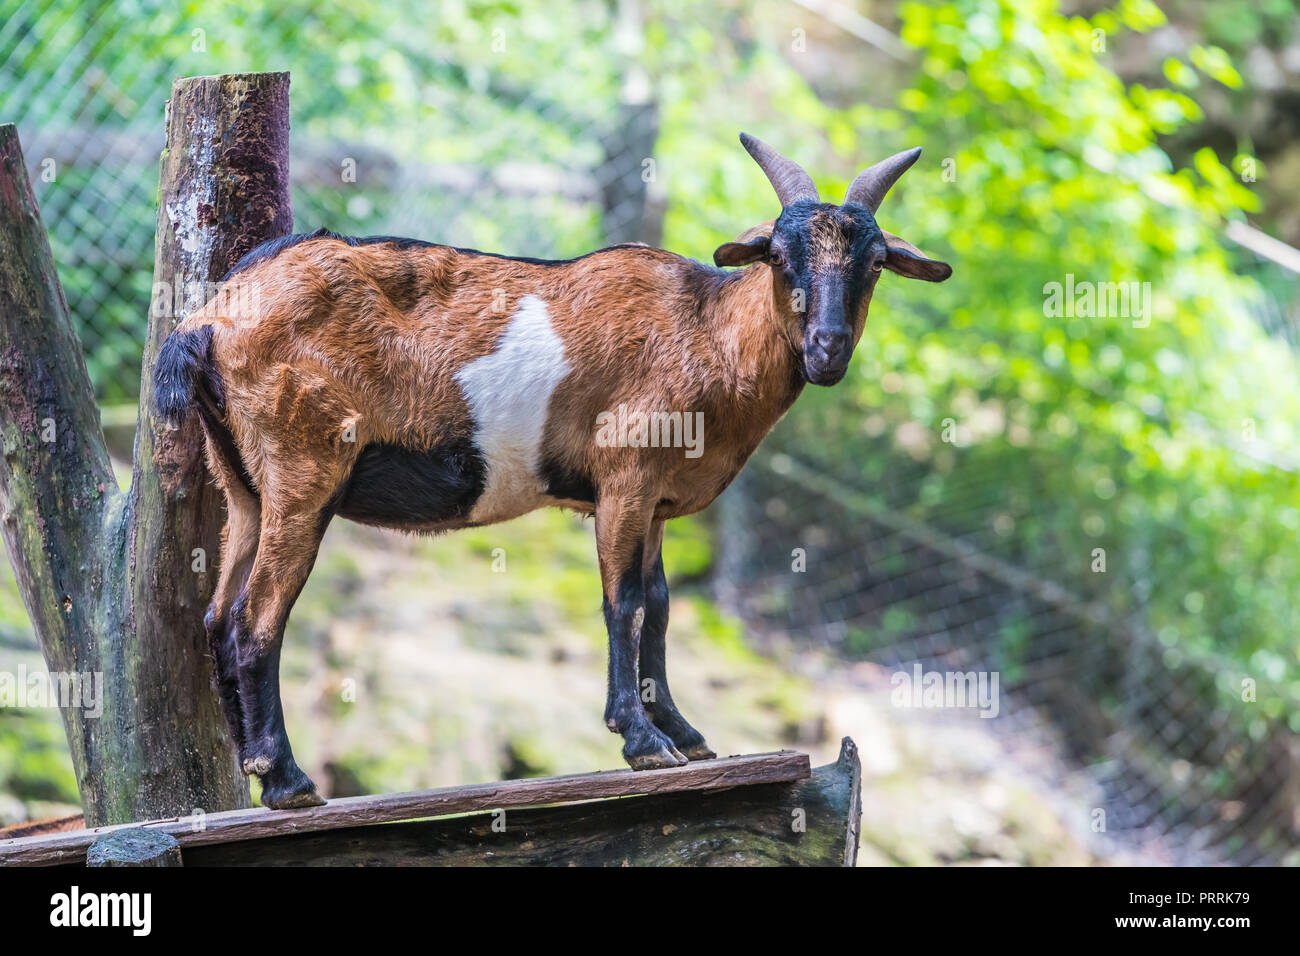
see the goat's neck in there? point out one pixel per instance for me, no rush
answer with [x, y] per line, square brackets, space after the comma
[760, 361]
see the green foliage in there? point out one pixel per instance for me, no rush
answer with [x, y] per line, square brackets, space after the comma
[688, 548]
[1101, 431]
[34, 758]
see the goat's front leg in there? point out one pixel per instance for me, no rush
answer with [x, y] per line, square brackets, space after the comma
[657, 697]
[285, 555]
[622, 523]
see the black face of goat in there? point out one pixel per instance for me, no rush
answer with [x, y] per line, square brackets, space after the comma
[825, 259]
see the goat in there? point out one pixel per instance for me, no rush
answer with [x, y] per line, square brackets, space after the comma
[416, 386]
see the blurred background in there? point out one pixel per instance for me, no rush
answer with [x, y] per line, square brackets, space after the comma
[1099, 508]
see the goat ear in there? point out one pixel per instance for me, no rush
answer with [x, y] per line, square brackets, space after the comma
[907, 260]
[742, 253]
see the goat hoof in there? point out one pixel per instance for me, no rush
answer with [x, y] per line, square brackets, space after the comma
[686, 739]
[691, 743]
[700, 751]
[657, 761]
[293, 801]
[652, 751]
[288, 788]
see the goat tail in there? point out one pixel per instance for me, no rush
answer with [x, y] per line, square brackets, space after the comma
[185, 380]
[184, 376]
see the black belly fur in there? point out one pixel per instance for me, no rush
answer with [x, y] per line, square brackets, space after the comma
[396, 486]
[400, 487]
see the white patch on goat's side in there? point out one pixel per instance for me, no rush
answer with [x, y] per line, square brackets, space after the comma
[508, 392]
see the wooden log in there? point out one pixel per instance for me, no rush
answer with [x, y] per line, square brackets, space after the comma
[134, 846]
[115, 584]
[223, 189]
[56, 484]
[260, 824]
[810, 822]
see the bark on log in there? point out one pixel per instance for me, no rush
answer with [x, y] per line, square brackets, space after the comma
[57, 489]
[109, 579]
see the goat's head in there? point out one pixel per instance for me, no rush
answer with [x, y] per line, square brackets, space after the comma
[825, 259]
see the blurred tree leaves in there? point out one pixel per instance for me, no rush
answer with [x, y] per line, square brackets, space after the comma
[1143, 439]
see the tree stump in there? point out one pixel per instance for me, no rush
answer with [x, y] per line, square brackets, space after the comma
[134, 846]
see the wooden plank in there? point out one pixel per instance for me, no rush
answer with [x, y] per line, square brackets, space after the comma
[812, 822]
[259, 823]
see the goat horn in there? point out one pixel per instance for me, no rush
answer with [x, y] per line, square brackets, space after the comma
[870, 186]
[786, 176]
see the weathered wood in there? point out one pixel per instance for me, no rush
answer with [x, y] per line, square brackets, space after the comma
[811, 822]
[113, 583]
[259, 823]
[223, 189]
[134, 846]
[56, 483]
[847, 784]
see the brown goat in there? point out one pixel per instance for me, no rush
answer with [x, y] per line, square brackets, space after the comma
[416, 386]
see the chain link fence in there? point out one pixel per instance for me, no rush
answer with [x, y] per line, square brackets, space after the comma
[1163, 762]
[513, 170]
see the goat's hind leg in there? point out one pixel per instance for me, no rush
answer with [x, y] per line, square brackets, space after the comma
[238, 547]
[285, 554]
[219, 624]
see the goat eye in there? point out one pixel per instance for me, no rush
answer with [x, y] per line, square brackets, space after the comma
[877, 265]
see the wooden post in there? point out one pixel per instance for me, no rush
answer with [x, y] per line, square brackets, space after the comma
[629, 213]
[57, 488]
[632, 211]
[116, 584]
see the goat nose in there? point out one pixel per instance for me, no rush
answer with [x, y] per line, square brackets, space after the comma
[830, 343]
